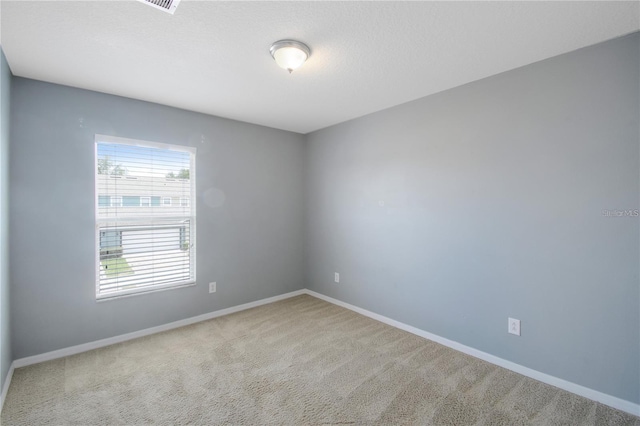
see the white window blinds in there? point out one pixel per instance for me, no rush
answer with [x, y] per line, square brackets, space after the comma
[145, 216]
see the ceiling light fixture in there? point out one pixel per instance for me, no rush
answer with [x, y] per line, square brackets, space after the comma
[289, 54]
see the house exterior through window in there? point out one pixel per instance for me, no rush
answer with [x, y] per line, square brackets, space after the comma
[145, 216]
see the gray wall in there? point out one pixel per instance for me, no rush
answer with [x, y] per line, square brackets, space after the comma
[5, 333]
[449, 213]
[492, 198]
[250, 236]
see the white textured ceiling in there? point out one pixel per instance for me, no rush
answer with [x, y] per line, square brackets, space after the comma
[213, 57]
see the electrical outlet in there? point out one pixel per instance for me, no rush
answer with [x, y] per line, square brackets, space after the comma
[514, 326]
[212, 287]
[336, 277]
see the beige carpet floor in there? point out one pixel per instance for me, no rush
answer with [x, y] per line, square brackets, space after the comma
[301, 361]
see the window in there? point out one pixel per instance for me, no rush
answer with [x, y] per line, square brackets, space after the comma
[110, 241]
[144, 242]
[104, 201]
[130, 201]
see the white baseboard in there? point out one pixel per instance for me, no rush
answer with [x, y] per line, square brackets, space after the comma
[5, 386]
[612, 401]
[73, 350]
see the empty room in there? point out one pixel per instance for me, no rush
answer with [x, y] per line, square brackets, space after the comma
[319, 212]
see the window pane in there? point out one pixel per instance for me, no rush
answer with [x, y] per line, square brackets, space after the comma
[104, 201]
[130, 201]
[110, 238]
[146, 241]
[144, 256]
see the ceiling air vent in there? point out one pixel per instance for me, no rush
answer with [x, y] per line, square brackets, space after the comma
[166, 5]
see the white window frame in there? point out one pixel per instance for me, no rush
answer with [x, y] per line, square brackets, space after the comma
[192, 219]
[165, 204]
[184, 202]
[148, 203]
[116, 201]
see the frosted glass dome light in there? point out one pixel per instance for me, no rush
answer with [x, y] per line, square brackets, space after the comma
[289, 54]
